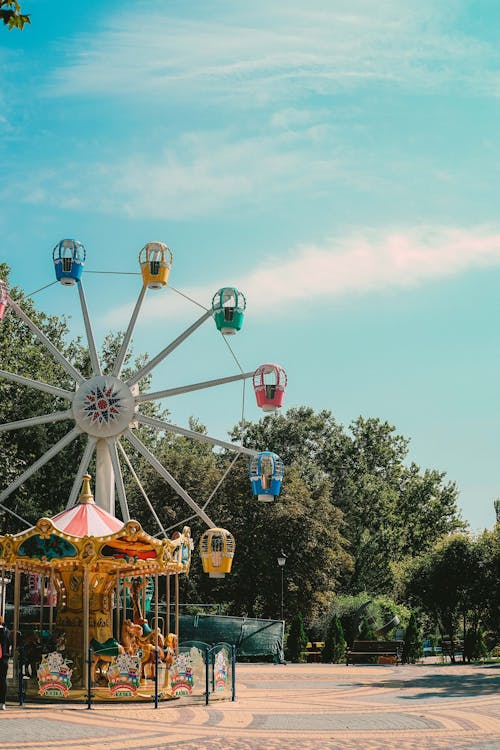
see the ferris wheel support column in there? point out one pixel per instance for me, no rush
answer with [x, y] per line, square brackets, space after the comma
[104, 478]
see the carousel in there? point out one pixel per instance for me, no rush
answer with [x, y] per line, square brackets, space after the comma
[97, 565]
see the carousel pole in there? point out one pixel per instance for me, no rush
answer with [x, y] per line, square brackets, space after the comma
[41, 589]
[156, 611]
[2, 592]
[51, 598]
[117, 605]
[167, 596]
[17, 600]
[177, 608]
[124, 601]
[86, 615]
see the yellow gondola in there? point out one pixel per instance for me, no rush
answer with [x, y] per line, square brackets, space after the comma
[216, 552]
[155, 260]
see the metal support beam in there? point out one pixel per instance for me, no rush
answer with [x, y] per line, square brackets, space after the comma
[52, 389]
[120, 359]
[56, 448]
[118, 478]
[82, 469]
[94, 359]
[159, 424]
[170, 348]
[141, 488]
[58, 416]
[48, 344]
[194, 387]
[139, 446]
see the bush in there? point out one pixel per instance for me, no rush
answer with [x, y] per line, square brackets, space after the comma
[334, 649]
[297, 639]
[412, 648]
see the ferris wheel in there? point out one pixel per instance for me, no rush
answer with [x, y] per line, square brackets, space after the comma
[106, 408]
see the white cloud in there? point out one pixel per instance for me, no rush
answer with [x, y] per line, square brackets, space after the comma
[196, 175]
[363, 262]
[258, 52]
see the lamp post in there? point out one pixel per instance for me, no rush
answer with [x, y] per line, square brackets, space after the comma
[281, 565]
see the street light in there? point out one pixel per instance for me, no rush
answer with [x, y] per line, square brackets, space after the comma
[281, 565]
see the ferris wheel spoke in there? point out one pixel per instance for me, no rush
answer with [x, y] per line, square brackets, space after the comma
[48, 344]
[168, 350]
[38, 384]
[159, 424]
[141, 488]
[120, 359]
[58, 416]
[16, 515]
[94, 359]
[113, 454]
[144, 451]
[56, 448]
[194, 387]
[82, 469]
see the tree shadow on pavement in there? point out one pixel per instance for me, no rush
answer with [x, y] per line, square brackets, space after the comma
[445, 685]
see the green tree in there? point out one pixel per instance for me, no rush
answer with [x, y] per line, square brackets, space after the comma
[389, 511]
[10, 14]
[450, 584]
[334, 648]
[297, 639]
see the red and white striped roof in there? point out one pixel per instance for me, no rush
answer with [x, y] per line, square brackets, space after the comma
[86, 518]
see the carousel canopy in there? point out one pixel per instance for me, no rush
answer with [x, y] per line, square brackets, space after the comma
[88, 536]
[86, 518]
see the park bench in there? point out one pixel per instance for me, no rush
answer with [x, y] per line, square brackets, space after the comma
[313, 651]
[365, 650]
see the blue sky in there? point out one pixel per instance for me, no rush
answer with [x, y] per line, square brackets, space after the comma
[338, 162]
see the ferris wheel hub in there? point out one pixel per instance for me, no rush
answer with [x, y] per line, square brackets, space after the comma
[103, 406]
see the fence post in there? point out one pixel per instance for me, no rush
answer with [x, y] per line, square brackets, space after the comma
[156, 678]
[207, 684]
[233, 670]
[20, 675]
[89, 679]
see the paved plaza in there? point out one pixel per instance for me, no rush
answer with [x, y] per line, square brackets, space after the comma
[307, 706]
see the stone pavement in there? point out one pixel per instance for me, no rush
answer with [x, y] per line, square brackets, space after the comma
[306, 706]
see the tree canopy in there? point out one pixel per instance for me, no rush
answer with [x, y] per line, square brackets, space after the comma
[11, 15]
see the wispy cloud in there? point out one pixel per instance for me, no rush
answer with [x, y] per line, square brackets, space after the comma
[199, 173]
[363, 262]
[254, 53]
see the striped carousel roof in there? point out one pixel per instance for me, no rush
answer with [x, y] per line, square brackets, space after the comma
[86, 518]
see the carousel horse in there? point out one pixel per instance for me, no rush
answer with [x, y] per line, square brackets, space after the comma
[135, 643]
[103, 653]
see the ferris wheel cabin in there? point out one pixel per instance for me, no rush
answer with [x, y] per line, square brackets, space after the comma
[228, 305]
[269, 383]
[155, 260]
[4, 296]
[69, 259]
[266, 472]
[217, 552]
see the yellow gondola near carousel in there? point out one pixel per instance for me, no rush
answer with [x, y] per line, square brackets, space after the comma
[217, 552]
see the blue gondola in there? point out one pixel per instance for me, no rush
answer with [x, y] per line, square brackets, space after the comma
[69, 258]
[266, 474]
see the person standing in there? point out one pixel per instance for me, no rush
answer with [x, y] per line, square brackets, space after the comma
[5, 649]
